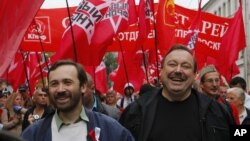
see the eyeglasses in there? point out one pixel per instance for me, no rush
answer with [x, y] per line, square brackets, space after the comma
[212, 81]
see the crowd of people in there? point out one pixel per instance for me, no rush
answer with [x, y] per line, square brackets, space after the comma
[180, 107]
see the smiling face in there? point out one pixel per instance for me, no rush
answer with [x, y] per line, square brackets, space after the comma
[177, 75]
[65, 91]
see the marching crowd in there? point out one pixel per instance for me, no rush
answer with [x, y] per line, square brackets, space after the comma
[182, 107]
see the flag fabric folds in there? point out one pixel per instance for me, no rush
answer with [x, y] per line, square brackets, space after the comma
[99, 75]
[99, 24]
[232, 43]
[146, 17]
[130, 69]
[165, 25]
[94, 29]
[77, 37]
[15, 18]
[17, 72]
[24, 68]
[193, 30]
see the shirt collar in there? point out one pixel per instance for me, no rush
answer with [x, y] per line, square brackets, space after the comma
[59, 122]
[94, 108]
[243, 115]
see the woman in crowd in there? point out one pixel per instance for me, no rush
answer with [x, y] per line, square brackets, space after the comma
[12, 115]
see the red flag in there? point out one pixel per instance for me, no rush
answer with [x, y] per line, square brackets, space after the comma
[41, 70]
[99, 75]
[193, 30]
[16, 73]
[15, 18]
[76, 40]
[37, 70]
[47, 28]
[154, 65]
[232, 43]
[24, 69]
[30, 64]
[120, 15]
[165, 25]
[93, 39]
[131, 72]
[146, 16]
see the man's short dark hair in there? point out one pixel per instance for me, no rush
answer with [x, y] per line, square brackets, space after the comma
[23, 88]
[180, 47]
[238, 80]
[80, 70]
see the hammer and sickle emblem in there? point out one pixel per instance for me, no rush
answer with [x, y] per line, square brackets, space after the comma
[169, 13]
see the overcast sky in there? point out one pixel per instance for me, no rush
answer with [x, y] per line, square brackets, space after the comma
[192, 4]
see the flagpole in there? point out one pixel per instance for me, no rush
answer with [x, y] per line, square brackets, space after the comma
[72, 33]
[25, 69]
[194, 30]
[144, 62]
[40, 69]
[231, 75]
[42, 47]
[7, 73]
[123, 60]
[155, 43]
[94, 67]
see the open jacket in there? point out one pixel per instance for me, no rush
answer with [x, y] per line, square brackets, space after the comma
[246, 121]
[41, 130]
[139, 116]
[25, 124]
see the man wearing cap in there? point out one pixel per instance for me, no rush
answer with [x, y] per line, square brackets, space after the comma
[128, 96]
[210, 85]
[3, 99]
[4, 94]
[23, 90]
[210, 81]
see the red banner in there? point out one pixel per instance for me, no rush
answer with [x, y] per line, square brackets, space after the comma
[15, 17]
[233, 42]
[50, 23]
[77, 40]
[54, 21]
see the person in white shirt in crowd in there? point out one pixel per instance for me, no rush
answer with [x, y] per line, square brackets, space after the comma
[128, 96]
[237, 97]
[241, 83]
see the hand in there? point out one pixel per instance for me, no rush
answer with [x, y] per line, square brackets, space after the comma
[31, 119]
[18, 116]
[16, 119]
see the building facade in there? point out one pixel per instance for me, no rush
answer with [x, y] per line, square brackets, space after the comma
[227, 8]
